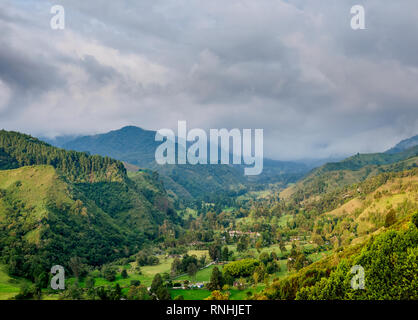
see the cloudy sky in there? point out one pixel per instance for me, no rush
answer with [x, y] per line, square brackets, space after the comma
[294, 68]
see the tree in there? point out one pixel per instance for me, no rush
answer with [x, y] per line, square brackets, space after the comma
[74, 291]
[124, 274]
[272, 267]
[202, 261]
[282, 247]
[216, 280]
[390, 218]
[157, 283]
[145, 258]
[135, 283]
[26, 292]
[317, 239]
[228, 278]
[138, 293]
[264, 257]
[192, 270]
[163, 294]
[225, 254]
[109, 273]
[259, 273]
[415, 219]
[90, 282]
[242, 243]
[138, 269]
[175, 267]
[90, 287]
[215, 251]
[116, 293]
[76, 266]
[218, 295]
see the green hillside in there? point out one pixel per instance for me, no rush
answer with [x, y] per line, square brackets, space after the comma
[332, 176]
[361, 160]
[58, 205]
[374, 226]
[17, 150]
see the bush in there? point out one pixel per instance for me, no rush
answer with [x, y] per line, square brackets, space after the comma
[135, 283]
[26, 292]
[109, 273]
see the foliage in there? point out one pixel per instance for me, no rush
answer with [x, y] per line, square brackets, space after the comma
[23, 150]
[218, 295]
[390, 262]
[216, 280]
[241, 268]
[75, 210]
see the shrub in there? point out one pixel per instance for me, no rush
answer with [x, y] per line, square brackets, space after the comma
[135, 283]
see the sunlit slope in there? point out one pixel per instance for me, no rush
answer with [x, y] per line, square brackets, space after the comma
[374, 205]
[40, 215]
[347, 172]
[373, 224]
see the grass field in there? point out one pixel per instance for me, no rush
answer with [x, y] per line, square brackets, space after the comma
[200, 294]
[187, 212]
[318, 256]
[148, 272]
[201, 275]
[9, 286]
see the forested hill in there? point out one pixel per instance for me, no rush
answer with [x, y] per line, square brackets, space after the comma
[373, 224]
[58, 205]
[361, 160]
[332, 176]
[18, 150]
[131, 144]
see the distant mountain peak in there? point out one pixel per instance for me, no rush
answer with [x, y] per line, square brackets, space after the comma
[404, 145]
[130, 128]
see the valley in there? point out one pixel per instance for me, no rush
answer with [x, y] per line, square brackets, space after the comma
[125, 230]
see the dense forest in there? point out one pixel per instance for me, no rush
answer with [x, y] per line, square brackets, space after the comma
[18, 150]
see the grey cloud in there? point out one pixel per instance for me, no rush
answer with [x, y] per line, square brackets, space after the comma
[294, 68]
[99, 72]
[25, 72]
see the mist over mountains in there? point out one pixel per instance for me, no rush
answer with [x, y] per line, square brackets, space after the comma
[404, 145]
[137, 146]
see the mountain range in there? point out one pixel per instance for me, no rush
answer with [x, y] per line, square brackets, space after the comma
[58, 204]
[404, 144]
[136, 146]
